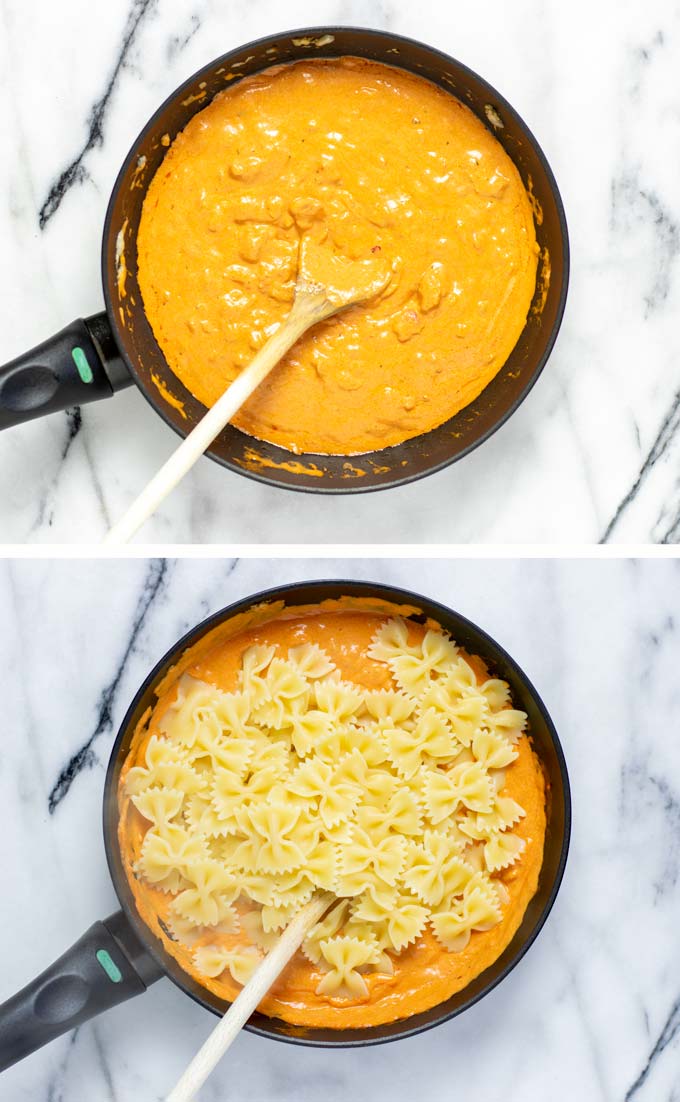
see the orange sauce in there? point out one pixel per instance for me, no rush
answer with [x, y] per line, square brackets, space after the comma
[425, 974]
[371, 162]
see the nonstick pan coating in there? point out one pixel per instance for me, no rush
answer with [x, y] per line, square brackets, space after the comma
[545, 740]
[267, 462]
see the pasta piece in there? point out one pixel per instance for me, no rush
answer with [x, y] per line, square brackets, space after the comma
[208, 901]
[363, 860]
[378, 787]
[311, 660]
[329, 925]
[165, 768]
[391, 641]
[452, 929]
[179, 722]
[481, 903]
[293, 889]
[227, 796]
[251, 923]
[401, 816]
[366, 740]
[406, 923]
[345, 955]
[271, 753]
[468, 826]
[474, 787]
[201, 816]
[504, 814]
[316, 781]
[362, 932]
[166, 857]
[275, 918]
[352, 769]
[233, 712]
[321, 865]
[477, 910]
[339, 699]
[230, 753]
[259, 887]
[308, 834]
[389, 708]
[375, 935]
[375, 905]
[184, 932]
[496, 693]
[159, 805]
[492, 750]
[466, 718]
[502, 850]
[243, 963]
[252, 679]
[441, 796]
[430, 740]
[342, 740]
[340, 834]
[508, 722]
[285, 681]
[211, 960]
[275, 850]
[309, 729]
[435, 871]
[413, 672]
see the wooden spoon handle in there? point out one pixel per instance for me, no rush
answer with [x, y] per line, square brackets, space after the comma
[202, 436]
[248, 999]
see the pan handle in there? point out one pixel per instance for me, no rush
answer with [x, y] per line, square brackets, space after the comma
[79, 364]
[105, 967]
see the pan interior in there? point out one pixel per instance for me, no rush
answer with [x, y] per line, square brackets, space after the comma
[267, 462]
[546, 744]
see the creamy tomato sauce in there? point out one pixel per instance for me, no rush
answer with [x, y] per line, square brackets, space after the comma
[371, 162]
[425, 974]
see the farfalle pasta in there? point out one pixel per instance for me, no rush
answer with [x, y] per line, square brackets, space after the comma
[363, 755]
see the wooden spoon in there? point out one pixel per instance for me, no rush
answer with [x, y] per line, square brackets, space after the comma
[325, 284]
[249, 998]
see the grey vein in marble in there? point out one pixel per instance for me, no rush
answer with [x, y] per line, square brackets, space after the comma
[84, 758]
[667, 436]
[75, 172]
[670, 1031]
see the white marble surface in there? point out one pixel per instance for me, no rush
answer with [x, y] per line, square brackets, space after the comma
[593, 1011]
[594, 451]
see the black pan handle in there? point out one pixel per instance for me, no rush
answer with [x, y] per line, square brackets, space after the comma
[105, 967]
[79, 364]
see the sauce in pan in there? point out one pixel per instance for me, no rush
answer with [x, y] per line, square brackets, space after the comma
[371, 161]
[424, 973]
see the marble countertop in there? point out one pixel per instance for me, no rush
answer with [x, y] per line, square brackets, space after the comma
[592, 1012]
[593, 453]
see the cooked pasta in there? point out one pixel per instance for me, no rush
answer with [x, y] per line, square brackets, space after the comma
[301, 780]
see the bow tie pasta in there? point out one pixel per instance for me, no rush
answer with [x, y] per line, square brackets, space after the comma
[373, 759]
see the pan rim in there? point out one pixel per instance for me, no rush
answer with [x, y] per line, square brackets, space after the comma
[351, 486]
[110, 806]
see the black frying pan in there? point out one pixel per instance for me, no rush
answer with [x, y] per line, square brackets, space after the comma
[92, 358]
[120, 957]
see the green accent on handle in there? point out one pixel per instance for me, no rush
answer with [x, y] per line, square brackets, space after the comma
[84, 369]
[112, 970]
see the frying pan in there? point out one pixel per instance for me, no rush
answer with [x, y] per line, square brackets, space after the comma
[94, 357]
[119, 957]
